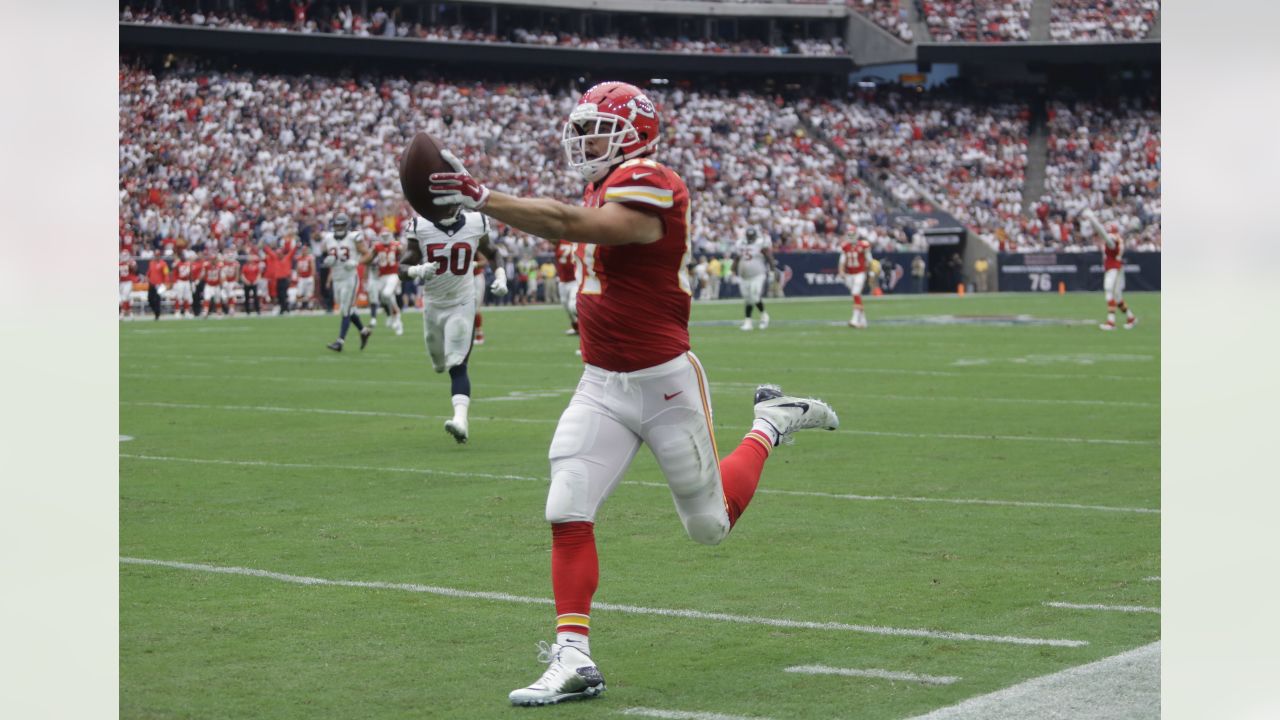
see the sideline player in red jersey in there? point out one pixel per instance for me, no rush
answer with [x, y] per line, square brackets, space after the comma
[641, 383]
[128, 273]
[567, 276]
[1112, 246]
[183, 272]
[855, 261]
[384, 281]
[230, 270]
[249, 274]
[157, 278]
[306, 270]
[213, 297]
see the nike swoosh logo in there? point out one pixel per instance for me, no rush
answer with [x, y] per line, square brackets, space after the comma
[637, 176]
[668, 397]
[804, 407]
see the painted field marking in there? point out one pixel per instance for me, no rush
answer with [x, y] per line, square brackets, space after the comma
[126, 438]
[873, 673]
[640, 483]
[1111, 608]
[1121, 686]
[1153, 578]
[552, 421]
[627, 609]
[684, 714]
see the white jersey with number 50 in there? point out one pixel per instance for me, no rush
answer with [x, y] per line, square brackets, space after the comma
[342, 250]
[454, 248]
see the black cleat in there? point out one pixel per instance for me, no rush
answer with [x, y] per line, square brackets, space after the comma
[364, 337]
[335, 346]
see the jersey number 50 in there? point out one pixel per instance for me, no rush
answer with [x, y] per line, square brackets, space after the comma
[457, 260]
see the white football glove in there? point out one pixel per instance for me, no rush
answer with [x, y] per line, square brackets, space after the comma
[425, 271]
[329, 260]
[458, 187]
[499, 286]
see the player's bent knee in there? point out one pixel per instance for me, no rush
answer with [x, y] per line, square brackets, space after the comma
[569, 498]
[707, 529]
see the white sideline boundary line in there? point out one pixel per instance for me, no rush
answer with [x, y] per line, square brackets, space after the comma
[683, 714]
[766, 491]
[552, 421]
[627, 609]
[1110, 608]
[873, 673]
[1121, 687]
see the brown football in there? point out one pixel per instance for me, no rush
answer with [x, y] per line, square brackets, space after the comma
[420, 160]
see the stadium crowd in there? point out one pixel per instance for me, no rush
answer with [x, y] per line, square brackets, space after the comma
[1102, 20]
[888, 14]
[978, 20]
[237, 162]
[345, 21]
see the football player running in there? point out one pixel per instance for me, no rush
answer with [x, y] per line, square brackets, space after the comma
[855, 262]
[640, 383]
[448, 249]
[384, 282]
[752, 263]
[1112, 246]
[344, 252]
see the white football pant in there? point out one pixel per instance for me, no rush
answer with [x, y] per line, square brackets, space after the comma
[856, 282]
[126, 290]
[569, 298]
[182, 291]
[752, 289]
[447, 332]
[388, 286]
[344, 292]
[306, 288]
[480, 287]
[1113, 284]
[667, 407]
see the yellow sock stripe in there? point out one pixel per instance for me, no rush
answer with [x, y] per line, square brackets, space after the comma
[760, 438]
[573, 619]
[706, 403]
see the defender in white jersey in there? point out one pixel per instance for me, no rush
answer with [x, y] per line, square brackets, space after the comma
[752, 262]
[344, 252]
[447, 252]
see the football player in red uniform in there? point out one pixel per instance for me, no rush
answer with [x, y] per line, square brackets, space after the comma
[128, 273]
[567, 276]
[855, 261]
[1112, 246]
[641, 383]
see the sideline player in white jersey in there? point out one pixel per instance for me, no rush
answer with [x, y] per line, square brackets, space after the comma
[752, 263]
[1112, 246]
[344, 252]
[446, 251]
[855, 262]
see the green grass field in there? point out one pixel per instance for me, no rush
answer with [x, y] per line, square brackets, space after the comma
[254, 448]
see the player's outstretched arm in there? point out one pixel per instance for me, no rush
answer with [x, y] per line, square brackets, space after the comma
[612, 224]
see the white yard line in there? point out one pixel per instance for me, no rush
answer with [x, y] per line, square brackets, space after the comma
[628, 609]
[1153, 578]
[1121, 687]
[1110, 608]
[683, 714]
[873, 673]
[767, 491]
[552, 421]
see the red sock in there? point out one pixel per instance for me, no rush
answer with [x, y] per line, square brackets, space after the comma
[479, 321]
[740, 473]
[575, 574]
[857, 301]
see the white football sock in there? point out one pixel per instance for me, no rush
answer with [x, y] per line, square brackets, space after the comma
[577, 641]
[767, 428]
[460, 405]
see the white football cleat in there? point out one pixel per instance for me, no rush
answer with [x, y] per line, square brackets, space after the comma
[373, 322]
[1107, 326]
[746, 324]
[458, 429]
[764, 320]
[399, 325]
[571, 675]
[1128, 324]
[788, 414]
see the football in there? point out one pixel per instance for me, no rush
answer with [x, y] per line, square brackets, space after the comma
[420, 160]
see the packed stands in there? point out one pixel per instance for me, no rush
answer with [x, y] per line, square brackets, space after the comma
[888, 14]
[1102, 20]
[978, 20]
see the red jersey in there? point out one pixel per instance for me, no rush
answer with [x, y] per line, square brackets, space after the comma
[633, 301]
[252, 270]
[566, 268]
[128, 271]
[306, 266]
[1112, 257]
[230, 270]
[386, 258]
[157, 272]
[183, 271]
[856, 258]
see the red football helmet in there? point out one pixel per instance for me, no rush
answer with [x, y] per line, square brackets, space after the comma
[619, 122]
